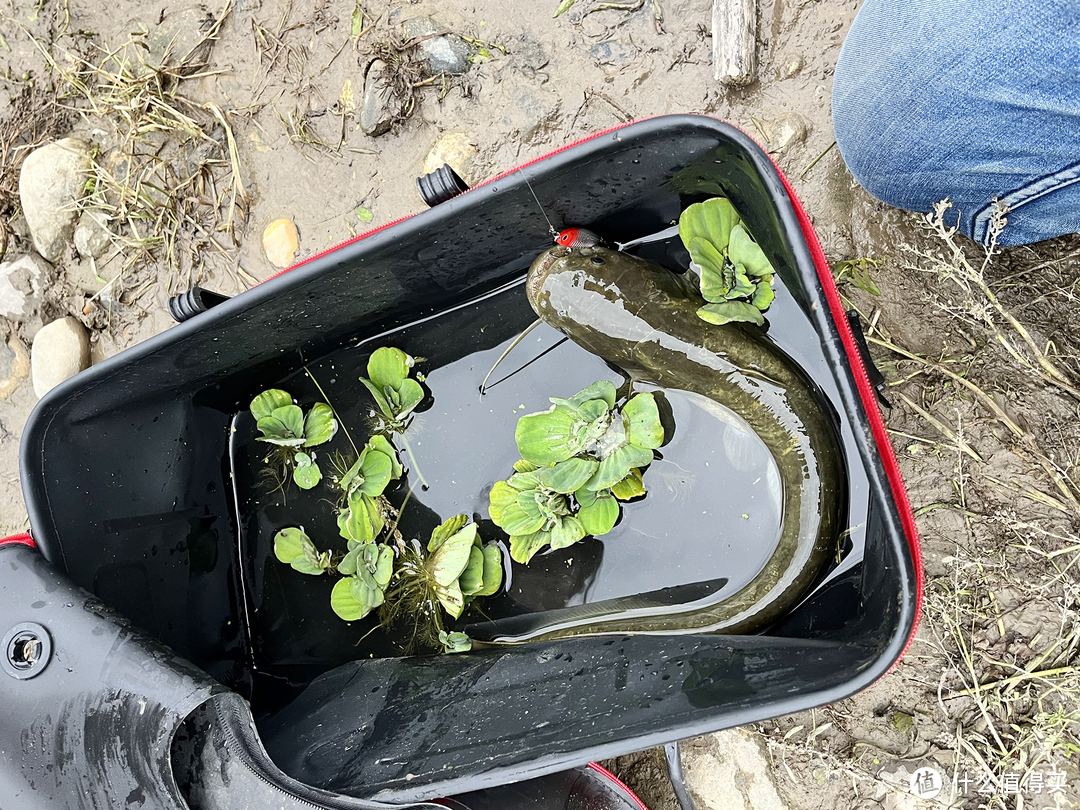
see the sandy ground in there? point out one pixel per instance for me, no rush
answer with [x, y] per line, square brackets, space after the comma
[988, 447]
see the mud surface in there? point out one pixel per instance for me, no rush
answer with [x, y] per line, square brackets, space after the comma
[988, 447]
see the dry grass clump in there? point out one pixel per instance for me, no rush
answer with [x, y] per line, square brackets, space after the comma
[997, 660]
[170, 190]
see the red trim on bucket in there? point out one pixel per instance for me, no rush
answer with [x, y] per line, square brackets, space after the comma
[870, 406]
[604, 772]
[21, 539]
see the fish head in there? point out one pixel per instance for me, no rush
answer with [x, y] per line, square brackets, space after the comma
[592, 263]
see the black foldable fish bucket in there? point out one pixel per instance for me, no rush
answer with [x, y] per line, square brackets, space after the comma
[142, 481]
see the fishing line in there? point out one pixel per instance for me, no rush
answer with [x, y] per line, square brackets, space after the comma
[551, 228]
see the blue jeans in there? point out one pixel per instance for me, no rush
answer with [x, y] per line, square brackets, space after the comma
[967, 99]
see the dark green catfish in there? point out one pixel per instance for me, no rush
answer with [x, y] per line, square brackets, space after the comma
[642, 318]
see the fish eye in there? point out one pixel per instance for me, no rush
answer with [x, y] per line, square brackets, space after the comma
[597, 260]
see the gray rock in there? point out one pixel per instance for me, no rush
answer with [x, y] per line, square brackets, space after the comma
[61, 350]
[23, 283]
[52, 181]
[443, 54]
[378, 109]
[91, 235]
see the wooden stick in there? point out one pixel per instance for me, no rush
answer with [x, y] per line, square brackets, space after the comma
[734, 32]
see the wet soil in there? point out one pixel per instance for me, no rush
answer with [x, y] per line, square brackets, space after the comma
[999, 533]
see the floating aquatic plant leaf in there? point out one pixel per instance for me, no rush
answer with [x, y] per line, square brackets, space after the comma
[376, 467]
[306, 473]
[380, 398]
[731, 311]
[388, 367]
[454, 642]
[566, 531]
[492, 576]
[711, 220]
[410, 395]
[472, 577]
[502, 497]
[446, 530]
[294, 547]
[388, 381]
[716, 279]
[567, 476]
[361, 520]
[283, 427]
[370, 568]
[379, 443]
[599, 511]
[602, 390]
[524, 516]
[524, 546]
[289, 544]
[319, 425]
[629, 487]
[549, 436]
[349, 605]
[616, 466]
[742, 287]
[641, 419]
[268, 401]
[742, 250]
[764, 295]
[450, 558]
[523, 466]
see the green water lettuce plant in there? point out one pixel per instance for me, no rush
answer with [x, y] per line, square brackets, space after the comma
[288, 428]
[579, 458]
[736, 277]
[360, 516]
[396, 394]
[367, 569]
[443, 577]
[293, 547]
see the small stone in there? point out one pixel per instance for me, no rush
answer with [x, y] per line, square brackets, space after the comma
[61, 350]
[787, 130]
[52, 181]
[281, 241]
[455, 148]
[14, 365]
[378, 110]
[793, 67]
[23, 283]
[443, 54]
[91, 235]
